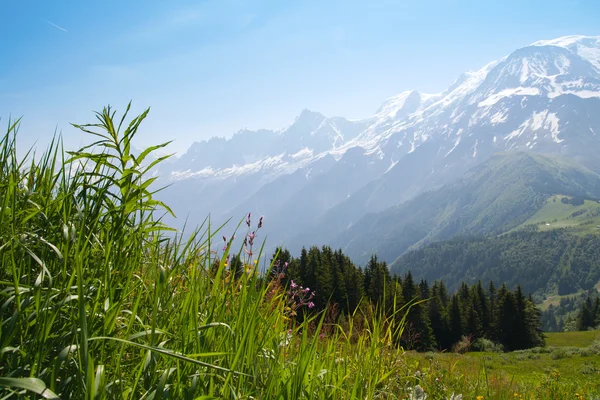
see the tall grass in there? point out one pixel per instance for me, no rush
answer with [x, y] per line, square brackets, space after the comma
[100, 300]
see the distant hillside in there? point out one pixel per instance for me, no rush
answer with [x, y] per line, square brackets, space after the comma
[544, 263]
[577, 215]
[492, 198]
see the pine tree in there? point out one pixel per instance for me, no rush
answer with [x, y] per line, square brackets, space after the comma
[438, 318]
[506, 319]
[533, 325]
[304, 272]
[585, 318]
[456, 320]
[483, 308]
[596, 311]
[417, 318]
[444, 294]
[492, 313]
[323, 281]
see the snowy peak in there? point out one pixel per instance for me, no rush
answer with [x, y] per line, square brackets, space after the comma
[405, 104]
[547, 70]
[587, 47]
[528, 99]
[316, 132]
[306, 120]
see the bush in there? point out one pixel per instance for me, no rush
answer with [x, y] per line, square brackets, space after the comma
[463, 345]
[486, 345]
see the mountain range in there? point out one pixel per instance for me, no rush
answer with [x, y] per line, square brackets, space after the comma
[408, 174]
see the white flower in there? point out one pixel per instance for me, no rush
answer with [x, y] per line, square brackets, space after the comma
[417, 393]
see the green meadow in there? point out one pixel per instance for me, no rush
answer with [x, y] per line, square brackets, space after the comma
[580, 219]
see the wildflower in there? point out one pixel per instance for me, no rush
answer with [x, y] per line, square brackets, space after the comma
[311, 304]
[479, 397]
[260, 222]
[293, 284]
[248, 220]
[417, 393]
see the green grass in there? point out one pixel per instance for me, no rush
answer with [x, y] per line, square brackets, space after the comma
[556, 215]
[531, 375]
[99, 301]
[572, 339]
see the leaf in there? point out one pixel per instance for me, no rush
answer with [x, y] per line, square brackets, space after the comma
[140, 159]
[34, 385]
[171, 353]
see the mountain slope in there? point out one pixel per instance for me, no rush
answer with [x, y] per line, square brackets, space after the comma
[543, 263]
[493, 197]
[319, 176]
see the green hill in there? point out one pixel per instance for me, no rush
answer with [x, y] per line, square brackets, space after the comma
[495, 197]
[544, 263]
[558, 214]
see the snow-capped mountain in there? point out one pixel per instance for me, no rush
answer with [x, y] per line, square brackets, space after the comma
[320, 175]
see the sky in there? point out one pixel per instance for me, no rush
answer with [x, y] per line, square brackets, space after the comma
[211, 68]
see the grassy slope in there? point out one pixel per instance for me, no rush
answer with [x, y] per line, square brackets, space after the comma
[573, 339]
[556, 215]
[565, 367]
[492, 198]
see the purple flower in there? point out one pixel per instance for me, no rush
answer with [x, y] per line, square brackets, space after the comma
[260, 222]
[285, 265]
[306, 290]
[311, 304]
[248, 220]
[293, 284]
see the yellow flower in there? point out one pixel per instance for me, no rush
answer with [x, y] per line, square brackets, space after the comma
[479, 397]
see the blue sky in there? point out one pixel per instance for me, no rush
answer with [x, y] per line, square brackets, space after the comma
[210, 68]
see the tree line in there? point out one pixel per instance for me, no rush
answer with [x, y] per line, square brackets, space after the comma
[543, 263]
[435, 319]
[588, 316]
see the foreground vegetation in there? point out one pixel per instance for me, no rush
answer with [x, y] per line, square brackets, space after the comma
[99, 300]
[554, 372]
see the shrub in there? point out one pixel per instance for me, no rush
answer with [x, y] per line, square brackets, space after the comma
[486, 345]
[463, 345]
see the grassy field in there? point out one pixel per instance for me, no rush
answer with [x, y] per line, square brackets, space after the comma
[556, 215]
[529, 375]
[571, 339]
[100, 301]
[569, 365]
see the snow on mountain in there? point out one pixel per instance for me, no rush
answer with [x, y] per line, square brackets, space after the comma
[587, 47]
[549, 68]
[544, 97]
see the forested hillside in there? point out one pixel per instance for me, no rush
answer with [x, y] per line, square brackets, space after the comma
[435, 318]
[492, 198]
[543, 263]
